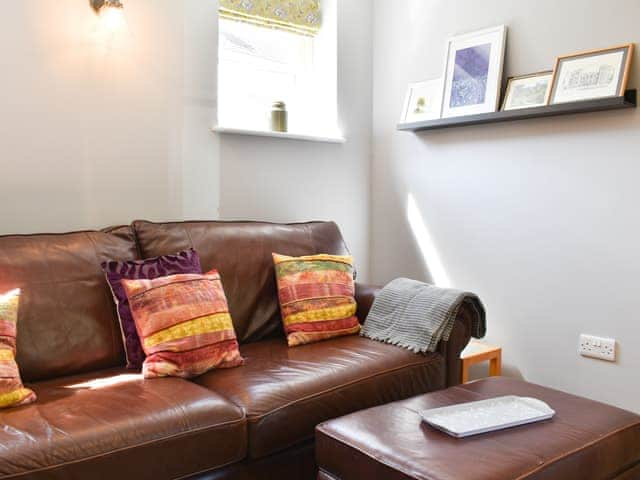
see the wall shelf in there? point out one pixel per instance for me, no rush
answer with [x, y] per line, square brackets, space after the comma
[610, 103]
[336, 138]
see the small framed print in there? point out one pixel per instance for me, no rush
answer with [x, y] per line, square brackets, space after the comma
[423, 101]
[473, 72]
[593, 74]
[528, 91]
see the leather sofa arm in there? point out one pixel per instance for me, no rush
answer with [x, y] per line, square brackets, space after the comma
[365, 295]
[450, 350]
[458, 340]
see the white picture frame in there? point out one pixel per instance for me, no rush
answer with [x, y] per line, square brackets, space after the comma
[473, 72]
[528, 91]
[423, 101]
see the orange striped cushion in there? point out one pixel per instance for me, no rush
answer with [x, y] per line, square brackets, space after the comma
[184, 324]
[316, 294]
[12, 392]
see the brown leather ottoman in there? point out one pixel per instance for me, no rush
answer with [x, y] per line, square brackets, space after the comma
[586, 440]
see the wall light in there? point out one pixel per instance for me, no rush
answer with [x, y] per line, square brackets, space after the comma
[111, 13]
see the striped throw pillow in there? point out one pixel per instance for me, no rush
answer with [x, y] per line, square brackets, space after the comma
[12, 392]
[186, 261]
[184, 324]
[316, 294]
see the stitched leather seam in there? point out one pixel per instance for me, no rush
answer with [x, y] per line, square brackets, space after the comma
[61, 234]
[63, 282]
[304, 438]
[184, 227]
[385, 462]
[628, 469]
[560, 457]
[327, 474]
[221, 222]
[307, 229]
[136, 240]
[257, 418]
[115, 338]
[118, 450]
[521, 477]
[578, 449]
[206, 470]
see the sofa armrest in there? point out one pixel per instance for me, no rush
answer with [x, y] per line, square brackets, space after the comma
[458, 340]
[450, 350]
[365, 295]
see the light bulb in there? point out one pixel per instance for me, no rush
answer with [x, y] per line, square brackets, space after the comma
[112, 19]
[111, 31]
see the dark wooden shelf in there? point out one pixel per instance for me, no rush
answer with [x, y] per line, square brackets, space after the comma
[609, 103]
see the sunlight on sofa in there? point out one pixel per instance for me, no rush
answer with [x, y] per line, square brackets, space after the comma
[106, 382]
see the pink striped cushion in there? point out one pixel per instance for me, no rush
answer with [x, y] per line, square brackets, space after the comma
[184, 324]
[12, 392]
[316, 294]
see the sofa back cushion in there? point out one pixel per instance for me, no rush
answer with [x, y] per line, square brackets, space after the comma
[242, 253]
[67, 317]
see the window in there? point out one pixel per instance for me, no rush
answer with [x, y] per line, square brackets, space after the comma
[261, 61]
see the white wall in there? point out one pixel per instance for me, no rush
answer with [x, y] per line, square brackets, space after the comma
[288, 181]
[90, 138]
[538, 217]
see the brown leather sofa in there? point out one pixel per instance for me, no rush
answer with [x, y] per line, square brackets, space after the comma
[94, 419]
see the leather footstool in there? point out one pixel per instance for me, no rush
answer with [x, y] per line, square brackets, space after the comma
[586, 440]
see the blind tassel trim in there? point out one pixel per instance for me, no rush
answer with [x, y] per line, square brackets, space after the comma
[303, 17]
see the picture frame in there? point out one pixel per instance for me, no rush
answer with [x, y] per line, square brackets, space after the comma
[592, 74]
[527, 91]
[473, 72]
[423, 101]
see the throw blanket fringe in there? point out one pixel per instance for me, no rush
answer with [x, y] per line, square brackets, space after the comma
[417, 316]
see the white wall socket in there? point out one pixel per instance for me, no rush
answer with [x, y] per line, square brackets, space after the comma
[597, 347]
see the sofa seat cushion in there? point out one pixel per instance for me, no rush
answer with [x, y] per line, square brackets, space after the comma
[286, 392]
[115, 424]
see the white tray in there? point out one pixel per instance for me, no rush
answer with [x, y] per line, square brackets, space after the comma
[473, 418]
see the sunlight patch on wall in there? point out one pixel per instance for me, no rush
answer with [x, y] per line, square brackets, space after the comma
[425, 242]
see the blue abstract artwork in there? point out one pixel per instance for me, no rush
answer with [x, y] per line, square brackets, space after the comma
[469, 84]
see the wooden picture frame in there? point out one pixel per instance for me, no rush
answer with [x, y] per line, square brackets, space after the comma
[534, 99]
[582, 81]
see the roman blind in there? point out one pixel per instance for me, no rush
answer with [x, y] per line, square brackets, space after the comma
[303, 17]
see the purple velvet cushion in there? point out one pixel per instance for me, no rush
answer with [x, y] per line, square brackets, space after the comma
[186, 261]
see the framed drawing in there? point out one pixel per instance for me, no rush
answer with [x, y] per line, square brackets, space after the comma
[423, 101]
[527, 91]
[593, 74]
[473, 72]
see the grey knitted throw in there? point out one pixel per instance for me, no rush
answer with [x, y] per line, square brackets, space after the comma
[416, 315]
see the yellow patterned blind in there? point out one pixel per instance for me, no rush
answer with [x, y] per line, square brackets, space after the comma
[299, 16]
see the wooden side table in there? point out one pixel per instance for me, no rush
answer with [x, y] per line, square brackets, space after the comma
[478, 352]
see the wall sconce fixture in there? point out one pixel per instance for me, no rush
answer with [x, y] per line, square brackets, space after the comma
[111, 13]
[97, 5]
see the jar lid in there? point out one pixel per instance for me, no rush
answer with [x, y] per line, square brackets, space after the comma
[279, 104]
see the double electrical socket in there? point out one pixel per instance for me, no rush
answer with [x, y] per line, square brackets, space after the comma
[597, 347]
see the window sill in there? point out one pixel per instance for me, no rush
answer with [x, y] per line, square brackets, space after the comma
[283, 135]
